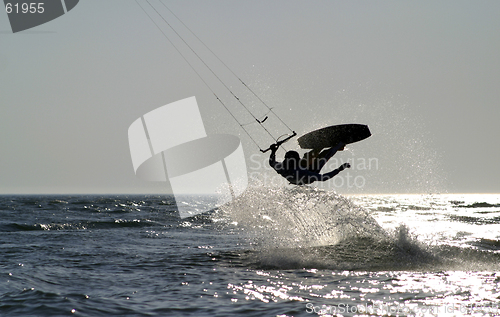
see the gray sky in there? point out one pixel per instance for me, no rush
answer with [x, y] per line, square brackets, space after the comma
[424, 75]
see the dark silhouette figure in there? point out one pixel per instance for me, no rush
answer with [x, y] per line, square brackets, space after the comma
[306, 170]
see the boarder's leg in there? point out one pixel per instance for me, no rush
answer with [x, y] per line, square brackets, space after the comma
[324, 156]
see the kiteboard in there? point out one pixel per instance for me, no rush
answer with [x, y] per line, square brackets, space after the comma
[333, 135]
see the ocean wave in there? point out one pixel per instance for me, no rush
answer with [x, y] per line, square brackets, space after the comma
[475, 220]
[36, 302]
[81, 225]
[486, 244]
[474, 205]
[32, 302]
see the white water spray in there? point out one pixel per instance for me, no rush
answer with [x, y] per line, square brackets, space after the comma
[299, 217]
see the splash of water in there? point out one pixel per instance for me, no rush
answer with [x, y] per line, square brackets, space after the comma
[306, 227]
[299, 217]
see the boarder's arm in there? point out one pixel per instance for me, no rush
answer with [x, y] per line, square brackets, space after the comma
[272, 157]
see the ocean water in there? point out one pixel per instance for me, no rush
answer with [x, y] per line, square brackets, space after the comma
[273, 252]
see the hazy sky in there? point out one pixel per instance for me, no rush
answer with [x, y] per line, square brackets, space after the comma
[424, 76]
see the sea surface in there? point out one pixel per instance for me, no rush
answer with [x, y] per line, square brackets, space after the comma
[272, 252]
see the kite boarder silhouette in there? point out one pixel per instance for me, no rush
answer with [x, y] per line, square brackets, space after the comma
[306, 170]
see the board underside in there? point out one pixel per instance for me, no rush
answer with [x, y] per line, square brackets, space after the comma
[333, 135]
